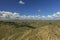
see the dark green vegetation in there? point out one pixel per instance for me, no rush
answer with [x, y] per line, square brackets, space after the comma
[17, 24]
[30, 30]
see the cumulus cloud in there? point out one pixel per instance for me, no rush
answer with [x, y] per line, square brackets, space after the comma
[21, 2]
[5, 15]
[54, 16]
[8, 15]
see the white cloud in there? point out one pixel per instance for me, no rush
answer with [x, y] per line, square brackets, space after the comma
[8, 15]
[5, 15]
[21, 2]
[43, 16]
[50, 16]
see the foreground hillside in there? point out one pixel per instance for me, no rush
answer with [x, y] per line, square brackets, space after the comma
[29, 30]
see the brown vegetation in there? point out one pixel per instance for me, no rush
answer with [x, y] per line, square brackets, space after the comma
[29, 30]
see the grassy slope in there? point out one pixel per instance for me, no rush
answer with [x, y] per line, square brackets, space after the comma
[29, 30]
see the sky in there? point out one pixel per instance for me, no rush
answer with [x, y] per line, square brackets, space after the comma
[30, 9]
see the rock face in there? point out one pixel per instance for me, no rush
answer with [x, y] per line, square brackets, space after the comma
[43, 32]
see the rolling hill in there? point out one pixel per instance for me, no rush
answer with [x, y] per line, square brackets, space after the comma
[30, 30]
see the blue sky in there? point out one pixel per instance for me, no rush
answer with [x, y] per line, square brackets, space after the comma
[48, 8]
[31, 7]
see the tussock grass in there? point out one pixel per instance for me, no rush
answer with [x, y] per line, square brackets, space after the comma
[30, 30]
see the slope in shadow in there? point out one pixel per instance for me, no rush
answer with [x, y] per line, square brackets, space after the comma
[17, 25]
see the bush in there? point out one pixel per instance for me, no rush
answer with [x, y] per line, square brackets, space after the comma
[50, 23]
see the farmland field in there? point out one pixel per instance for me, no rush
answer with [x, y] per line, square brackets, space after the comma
[30, 30]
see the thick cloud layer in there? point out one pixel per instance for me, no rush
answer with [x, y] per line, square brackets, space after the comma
[4, 15]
